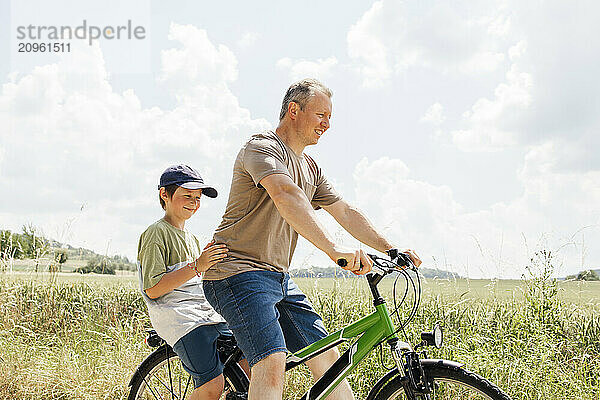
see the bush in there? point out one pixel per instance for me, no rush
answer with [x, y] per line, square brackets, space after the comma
[589, 275]
[97, 266]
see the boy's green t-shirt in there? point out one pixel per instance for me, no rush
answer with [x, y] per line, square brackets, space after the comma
[161, 247]
[164, 248]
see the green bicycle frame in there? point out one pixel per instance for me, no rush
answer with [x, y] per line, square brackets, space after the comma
[372, 329]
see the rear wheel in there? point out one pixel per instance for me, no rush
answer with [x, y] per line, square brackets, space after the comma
[161, 376]
[450, 382]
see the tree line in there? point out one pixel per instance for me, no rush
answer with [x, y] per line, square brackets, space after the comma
[31, 244]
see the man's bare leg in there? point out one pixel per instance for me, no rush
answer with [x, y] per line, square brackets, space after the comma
[320, 364]
[267, 377]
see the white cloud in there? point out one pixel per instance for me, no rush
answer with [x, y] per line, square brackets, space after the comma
[393, 36]
[492, 125]
[72, 140]
[198, 61]
[434, 115]
[496, 241]
[482, 62]
[365, 46]
[516, 51]
[299, 69]
[500, 26]
[248, 39]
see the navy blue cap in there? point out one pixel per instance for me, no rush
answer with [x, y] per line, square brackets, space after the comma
[186, 177]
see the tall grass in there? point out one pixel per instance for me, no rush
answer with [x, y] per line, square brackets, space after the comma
[65, 340]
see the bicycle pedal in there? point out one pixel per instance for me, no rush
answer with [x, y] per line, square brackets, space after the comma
[236, 396]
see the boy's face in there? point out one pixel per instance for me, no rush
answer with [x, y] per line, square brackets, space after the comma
[183, 204]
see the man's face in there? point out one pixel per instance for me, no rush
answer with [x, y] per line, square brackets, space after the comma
[313, 121]
[184, 203]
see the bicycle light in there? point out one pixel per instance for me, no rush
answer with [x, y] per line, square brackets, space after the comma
[153, 340]
[435, 337]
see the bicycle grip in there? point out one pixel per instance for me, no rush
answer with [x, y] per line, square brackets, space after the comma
[342, 262]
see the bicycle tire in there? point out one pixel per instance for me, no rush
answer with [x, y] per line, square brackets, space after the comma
[450, 382]
[161, 376]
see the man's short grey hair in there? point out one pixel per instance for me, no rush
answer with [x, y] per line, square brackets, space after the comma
[300, 92]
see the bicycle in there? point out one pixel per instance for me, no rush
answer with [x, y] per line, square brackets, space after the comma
[414, 376]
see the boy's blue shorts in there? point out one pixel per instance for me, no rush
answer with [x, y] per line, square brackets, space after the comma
[197, 351]
[266, 311]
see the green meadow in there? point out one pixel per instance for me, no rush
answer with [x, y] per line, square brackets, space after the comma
[70, 336]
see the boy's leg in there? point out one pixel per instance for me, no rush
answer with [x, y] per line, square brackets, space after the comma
[197, 351]
[247, 302]
[302, 326]
[211, 390]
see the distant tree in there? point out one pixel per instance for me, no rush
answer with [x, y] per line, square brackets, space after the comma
[34, 244]
[588, 275]
[61, 257]
[9, 246]
[9, 249]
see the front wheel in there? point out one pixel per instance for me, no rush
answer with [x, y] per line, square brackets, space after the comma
[450, 382]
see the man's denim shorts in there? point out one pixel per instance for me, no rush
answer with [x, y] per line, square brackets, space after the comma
[266, 312]
[197, 351]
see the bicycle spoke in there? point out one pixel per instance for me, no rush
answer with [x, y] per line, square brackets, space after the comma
[152, 391]
[169, 389]
[447, 390]
[455, 390]
[187, 384]
[170, 378]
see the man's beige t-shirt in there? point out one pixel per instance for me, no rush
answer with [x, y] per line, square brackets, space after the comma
[257, 236]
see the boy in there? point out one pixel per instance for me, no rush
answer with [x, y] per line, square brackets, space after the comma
[170, 263]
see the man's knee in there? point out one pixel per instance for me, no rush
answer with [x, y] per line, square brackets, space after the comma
[270, 370]
[322, 362]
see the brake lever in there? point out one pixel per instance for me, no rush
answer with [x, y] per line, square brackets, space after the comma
[380, 269]
[376, 269]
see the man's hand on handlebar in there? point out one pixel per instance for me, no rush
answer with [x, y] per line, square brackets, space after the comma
[357, 262]
[414, 258]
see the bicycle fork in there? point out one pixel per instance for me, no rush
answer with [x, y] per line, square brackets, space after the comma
[411, 372]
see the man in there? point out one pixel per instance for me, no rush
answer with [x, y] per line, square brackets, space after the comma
[274, 193]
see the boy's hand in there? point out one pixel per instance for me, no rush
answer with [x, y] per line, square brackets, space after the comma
[212, 254]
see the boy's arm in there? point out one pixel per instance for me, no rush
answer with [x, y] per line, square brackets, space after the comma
[212, 254]
[169, 281]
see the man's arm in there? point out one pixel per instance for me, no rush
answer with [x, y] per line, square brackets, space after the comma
[358, 225]
[294, 207]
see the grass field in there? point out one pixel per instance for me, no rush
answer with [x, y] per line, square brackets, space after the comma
[29, 264]
[68, 336]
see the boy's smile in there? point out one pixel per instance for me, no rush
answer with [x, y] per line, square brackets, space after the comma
[182, 205]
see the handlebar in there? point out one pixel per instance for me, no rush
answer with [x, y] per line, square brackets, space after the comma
[401, 260]
[342, 262]
[398, 262]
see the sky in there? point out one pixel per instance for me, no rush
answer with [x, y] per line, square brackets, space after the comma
[467, 131]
